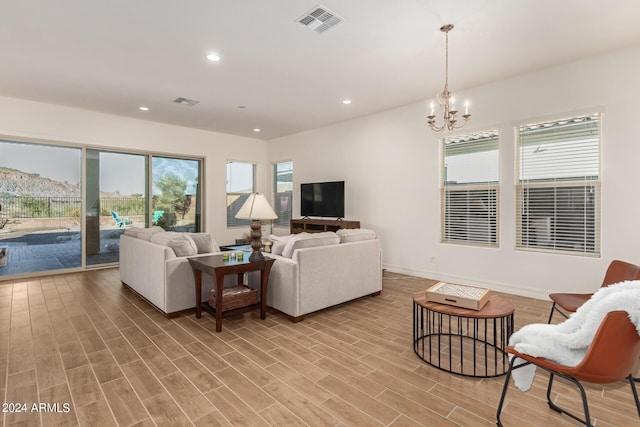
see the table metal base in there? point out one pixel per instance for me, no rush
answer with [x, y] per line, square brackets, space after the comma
[462, 343]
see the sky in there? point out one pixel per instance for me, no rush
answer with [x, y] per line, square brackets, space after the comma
[57, 163]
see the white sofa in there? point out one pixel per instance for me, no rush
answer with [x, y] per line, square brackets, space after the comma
[343, 267]
[154, 264]
[311, 272]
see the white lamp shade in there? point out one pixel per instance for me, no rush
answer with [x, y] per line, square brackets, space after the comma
[256, 207]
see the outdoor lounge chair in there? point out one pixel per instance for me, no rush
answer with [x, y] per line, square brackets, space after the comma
[121, 222]
[157, 215]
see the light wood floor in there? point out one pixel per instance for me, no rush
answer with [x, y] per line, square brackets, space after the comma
[84, 340]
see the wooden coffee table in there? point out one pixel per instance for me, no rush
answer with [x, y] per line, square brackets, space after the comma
[463, 341]
[217, 267]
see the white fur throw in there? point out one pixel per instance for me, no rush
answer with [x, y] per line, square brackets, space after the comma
[567, 343]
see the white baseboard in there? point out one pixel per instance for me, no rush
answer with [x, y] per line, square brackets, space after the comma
[541, 294]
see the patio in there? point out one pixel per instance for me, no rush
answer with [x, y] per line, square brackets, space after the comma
[55, 250]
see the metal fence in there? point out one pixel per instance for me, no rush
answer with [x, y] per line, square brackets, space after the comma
[122, 205]
[55, 207]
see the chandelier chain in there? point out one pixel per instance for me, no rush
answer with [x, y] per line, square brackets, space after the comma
[446, 61]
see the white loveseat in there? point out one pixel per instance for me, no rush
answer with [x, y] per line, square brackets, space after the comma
[314, 271]
[154, 263]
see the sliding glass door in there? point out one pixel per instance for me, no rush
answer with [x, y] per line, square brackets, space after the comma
[116, 199]
[52, 219]
[40, 208]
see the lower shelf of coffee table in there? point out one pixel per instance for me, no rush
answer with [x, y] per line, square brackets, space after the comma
[206, 306]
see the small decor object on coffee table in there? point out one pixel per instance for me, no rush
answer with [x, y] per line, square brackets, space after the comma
[458, 295]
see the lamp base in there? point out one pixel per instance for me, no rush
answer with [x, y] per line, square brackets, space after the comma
[256, 256]
[256, 241]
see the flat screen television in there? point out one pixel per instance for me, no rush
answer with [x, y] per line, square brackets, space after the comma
[324, 199]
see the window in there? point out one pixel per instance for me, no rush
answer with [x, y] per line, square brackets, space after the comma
[240, 184]
[176, 204]
[470, 189]
[283, 192]
[558, 190]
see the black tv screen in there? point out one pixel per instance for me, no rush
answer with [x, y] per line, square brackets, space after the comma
[322, 199]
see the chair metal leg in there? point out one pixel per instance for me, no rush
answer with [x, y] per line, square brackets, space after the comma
[506, 387]
[587, 417]
[632, 381]
[555, 308]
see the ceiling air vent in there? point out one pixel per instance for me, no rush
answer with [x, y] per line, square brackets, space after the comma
[320, 19]
[186, 101]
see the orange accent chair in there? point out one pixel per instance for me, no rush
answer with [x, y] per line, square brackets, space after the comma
[618, 271]
[611, 357]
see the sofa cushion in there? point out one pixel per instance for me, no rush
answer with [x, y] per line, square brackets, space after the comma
[143, 233]
[205, 243]
[279, 243]
[181, 243]
[348, 235]
[309, 240]
[133, 231]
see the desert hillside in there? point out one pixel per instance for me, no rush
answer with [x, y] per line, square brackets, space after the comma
[17, 183]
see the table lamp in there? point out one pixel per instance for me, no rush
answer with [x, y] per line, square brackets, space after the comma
[256, 208]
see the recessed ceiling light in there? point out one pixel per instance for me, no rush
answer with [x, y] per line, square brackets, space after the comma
[143, 108]
[346, 101]
[213, 57]
[256, 130]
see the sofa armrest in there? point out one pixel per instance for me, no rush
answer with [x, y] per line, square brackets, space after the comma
[283, 292]
[330, 275]
[142, 267]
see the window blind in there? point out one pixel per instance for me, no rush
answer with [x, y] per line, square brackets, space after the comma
[558, 189]
[470, 189]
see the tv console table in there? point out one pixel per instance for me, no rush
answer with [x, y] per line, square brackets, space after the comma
[319, 225]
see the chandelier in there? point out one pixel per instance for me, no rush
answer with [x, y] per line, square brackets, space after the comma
[445, 98]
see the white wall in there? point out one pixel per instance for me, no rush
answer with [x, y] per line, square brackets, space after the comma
[390, 162]
[38, 121]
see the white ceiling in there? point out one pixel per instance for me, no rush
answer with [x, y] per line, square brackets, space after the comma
[116, 55]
